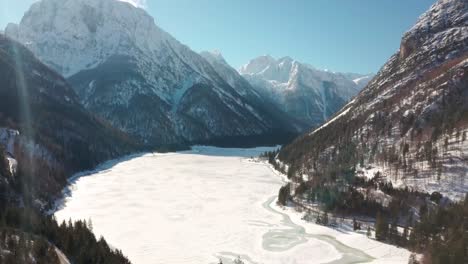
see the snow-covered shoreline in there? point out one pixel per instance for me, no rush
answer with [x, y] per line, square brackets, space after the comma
[202, 205]
[381, 252]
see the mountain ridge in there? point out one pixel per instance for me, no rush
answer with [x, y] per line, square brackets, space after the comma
[159, 88]
[410, 122]
[301, 90]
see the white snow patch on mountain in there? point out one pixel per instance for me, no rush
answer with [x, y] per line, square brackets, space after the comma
[342, 113]
[136, 3]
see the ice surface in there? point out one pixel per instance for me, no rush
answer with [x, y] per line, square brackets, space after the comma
[201, 205]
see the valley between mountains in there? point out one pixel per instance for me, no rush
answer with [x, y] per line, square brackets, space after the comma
[119, 144]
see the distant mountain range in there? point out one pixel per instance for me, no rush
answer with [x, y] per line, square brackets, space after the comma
[302, 91]
[130, 72]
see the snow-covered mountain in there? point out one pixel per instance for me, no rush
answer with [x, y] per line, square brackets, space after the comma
[301, 90]
[243, 87]
[132, 73]
[229, 74]
[410, 124]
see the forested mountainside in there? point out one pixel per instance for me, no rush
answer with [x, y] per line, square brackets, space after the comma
[130, 72]
[45, 136]
[398, 152]
[305, 93]
[410, 124]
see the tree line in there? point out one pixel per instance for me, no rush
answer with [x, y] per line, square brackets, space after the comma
[75, 239]
[421, 222]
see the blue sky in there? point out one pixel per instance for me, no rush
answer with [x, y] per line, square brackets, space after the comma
[339, 35]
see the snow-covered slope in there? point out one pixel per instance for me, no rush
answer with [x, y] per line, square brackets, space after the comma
[411, 121]
[229, 74]
[304, 92]
[131, 72]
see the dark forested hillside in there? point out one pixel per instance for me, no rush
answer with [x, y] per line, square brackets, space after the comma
[56, 136]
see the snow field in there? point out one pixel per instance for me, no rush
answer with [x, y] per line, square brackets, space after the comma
[203, 205]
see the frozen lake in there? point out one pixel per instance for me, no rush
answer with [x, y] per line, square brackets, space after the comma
[203, 205]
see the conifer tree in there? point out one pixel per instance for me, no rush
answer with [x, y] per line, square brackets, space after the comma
[381, 228]
[404, 237]
[369, 232]
[393, 233]
[283, 195]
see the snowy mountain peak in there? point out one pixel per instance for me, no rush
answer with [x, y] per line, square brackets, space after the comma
[85, 33]
[257, 65]
[129, 71]
[286, 59]
[311, 95]
[136, 3]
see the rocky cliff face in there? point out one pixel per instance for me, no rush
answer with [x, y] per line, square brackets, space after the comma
[308, 94]
[45, 133]
[410, 124]
[141, 79]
